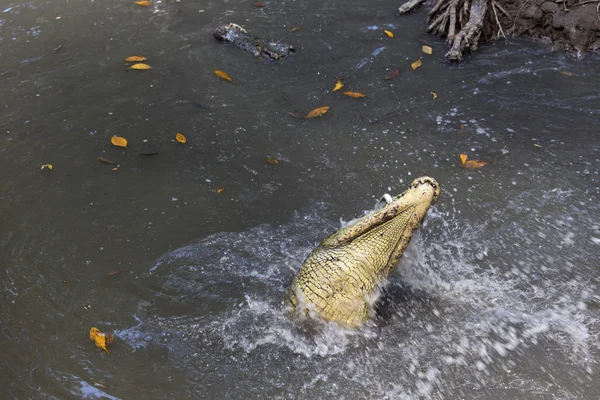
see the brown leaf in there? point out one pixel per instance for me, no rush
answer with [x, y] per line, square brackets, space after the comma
[416, 64]
[106, 160]
[317, 112]
[135, 59]
[567, 73]
[114, 273]
[110, 339]
[426, 49]
[118, 141]
[355, 95]
[272, 160]
[99, 338]
[180, 138]
[338, 85]
[259, 4]
[140, 66]
[223, 75]
[296, 28]
[474, 164]
[298, 115]
[389, 34]
[392, 74]
[220, 190]
[144, 3]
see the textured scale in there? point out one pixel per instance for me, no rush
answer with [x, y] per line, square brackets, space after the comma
[338, 279]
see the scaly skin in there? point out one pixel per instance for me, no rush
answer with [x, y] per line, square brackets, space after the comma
[237, 35]
[337, 281]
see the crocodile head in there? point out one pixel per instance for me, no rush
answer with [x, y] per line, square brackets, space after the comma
[338, 279]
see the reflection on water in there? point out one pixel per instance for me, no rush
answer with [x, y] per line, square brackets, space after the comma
[497, 296]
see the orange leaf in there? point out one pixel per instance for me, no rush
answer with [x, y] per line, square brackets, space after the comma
[463, 158]
[220, 190]
[338, 85]
[474, 164]
[426, 49]
[416, 64]
[118, 141]
[272, 161]
[140, 66]
[223, 75]
[259, 4]
[180, 138]
[99, 338]
[389, 34]
[392, 74]
[144, 3]
[135, 59]
[317, 112]
[355, 95]
[294, 29]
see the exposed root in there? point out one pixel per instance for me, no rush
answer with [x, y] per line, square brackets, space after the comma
[409, 6]
[462, 21]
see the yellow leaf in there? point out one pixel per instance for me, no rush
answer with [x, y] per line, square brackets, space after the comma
[220, 190]
[338, 85]
[140, 66]
[567, 73]
[416, 64]
[317, 112]
[426, 49]
[223, 75]
[463, 158]
[144, 3]
[180, 138]
[355, 95]
[49, 166]
[272, 161]
[118, 141]
[99, 338]
[135, 59]
[535, 144]
[434, 95]
[389, 34]
[294, 29]
[474, 164]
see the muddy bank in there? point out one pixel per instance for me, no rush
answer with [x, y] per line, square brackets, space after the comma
[571, 25]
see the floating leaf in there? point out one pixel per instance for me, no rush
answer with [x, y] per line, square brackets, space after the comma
[434, 95]
[474, 164]
[259, 4]
[298, 115]
[389, 34]
[463, 158]
[114, 273]
[317, 112]
[394, 73]
[272, 160]
[135, 59]
[180, 138]
[99, 338]
[223, 75]
[416, 64]
[118, 141]
[102, 385]
[338, 85]
[106, 160]
[426, 49]
[144, 3]
[567, 73]
[140, 66]
[535, 144]
[49, 166]
[296, 28]
[220, 190]
[355, 95]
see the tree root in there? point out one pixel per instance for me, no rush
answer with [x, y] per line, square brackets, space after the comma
[468, 18]
[409, 6]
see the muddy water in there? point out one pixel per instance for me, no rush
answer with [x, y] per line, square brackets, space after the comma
[497, 296]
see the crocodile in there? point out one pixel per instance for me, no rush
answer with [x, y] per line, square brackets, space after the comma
[241, 38]
[338, 281]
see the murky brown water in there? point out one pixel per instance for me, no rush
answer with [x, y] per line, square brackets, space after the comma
[497, 297]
